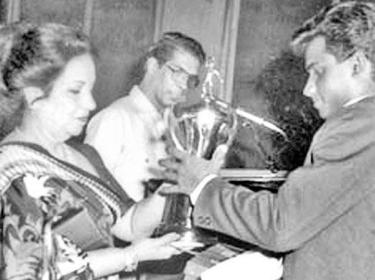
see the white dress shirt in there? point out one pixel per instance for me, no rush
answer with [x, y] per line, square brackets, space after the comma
[127, 134]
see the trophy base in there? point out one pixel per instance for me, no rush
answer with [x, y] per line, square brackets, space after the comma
[194, 236]
[176, 218]
[190, 237]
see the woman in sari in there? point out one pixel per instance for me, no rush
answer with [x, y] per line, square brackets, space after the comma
[59, 205]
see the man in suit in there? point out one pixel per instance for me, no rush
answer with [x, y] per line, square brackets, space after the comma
[323, 216]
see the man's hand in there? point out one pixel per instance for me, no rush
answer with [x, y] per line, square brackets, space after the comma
[187, 171]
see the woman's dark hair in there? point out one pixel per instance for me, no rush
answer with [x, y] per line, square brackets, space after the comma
[33, 56]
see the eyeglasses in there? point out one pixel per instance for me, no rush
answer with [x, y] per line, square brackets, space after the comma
[180, 75]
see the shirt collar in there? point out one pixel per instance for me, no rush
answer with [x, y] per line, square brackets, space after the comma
[143, 104]
[355, 100]
[148, 110]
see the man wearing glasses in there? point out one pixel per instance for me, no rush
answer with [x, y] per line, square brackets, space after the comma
[128, 133]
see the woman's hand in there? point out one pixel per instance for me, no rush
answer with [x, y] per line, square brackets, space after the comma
[156, 248]
[107, 261]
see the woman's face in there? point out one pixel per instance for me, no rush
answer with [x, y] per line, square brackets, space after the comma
[66, 110]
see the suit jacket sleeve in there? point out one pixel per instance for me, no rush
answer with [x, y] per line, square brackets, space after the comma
[312, 197]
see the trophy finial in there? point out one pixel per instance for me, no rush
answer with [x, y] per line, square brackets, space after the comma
[211, 74]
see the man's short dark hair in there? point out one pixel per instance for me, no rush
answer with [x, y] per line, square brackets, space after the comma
[170, 42]
[347, 26]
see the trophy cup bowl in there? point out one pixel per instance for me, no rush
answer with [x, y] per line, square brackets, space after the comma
[201, 128]
[198, 129]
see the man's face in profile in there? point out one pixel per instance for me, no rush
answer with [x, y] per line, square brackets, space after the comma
[329, 84]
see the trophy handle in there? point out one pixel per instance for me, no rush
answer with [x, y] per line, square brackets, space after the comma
[232, 131]
[172, 123]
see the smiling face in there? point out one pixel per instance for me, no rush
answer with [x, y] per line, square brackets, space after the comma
[172, 78]
[330, 82]
[66, 110]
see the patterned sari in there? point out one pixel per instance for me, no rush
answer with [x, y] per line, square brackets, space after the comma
[52, 213]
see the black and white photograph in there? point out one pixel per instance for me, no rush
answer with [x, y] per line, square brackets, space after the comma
[187, 139]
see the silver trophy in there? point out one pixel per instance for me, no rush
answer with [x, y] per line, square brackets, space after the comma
[198, 129]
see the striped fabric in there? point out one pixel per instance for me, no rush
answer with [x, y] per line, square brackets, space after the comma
[18, 159]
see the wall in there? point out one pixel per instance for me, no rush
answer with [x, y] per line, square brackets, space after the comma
[122, 30]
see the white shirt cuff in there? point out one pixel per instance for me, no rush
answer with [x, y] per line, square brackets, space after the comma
[194, 195]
